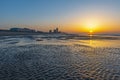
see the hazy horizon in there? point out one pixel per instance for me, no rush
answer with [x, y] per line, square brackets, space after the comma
[71, 16]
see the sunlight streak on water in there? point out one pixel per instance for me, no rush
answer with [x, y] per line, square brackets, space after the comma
[102, 43]
[59, 59]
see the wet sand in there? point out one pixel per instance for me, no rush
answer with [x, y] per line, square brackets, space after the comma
[24, 58]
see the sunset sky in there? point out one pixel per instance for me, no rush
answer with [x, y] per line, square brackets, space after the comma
[73, 16]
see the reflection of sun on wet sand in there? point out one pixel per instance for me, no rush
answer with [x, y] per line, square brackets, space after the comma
[59, 59]
[91, 42]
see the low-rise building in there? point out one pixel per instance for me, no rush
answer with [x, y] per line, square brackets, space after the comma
[22, 30]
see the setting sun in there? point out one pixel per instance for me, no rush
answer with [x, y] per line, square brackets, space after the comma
[91, 26]
[91, 31]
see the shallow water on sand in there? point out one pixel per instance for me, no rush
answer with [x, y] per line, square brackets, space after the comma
[102, 43]
[27, 58]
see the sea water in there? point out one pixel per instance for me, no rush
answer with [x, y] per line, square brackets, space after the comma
[48, 57]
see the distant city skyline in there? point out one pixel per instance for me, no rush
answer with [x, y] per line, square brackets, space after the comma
[72, 16]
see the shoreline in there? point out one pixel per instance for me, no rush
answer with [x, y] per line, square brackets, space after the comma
[19, 33]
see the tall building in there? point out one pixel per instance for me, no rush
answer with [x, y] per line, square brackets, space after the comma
[56, 30]
[50, 31]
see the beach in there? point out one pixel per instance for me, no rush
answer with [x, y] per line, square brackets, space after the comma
[59, 57]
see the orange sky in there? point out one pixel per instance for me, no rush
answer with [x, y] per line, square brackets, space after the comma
[72, 16]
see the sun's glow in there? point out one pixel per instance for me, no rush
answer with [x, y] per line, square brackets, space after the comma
[91, 31]
[91, 26]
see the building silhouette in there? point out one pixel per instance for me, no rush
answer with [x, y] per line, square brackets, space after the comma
[56, 30]
[22, 30]
[50, 31]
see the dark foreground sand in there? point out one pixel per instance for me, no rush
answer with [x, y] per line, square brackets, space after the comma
[58, 62]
